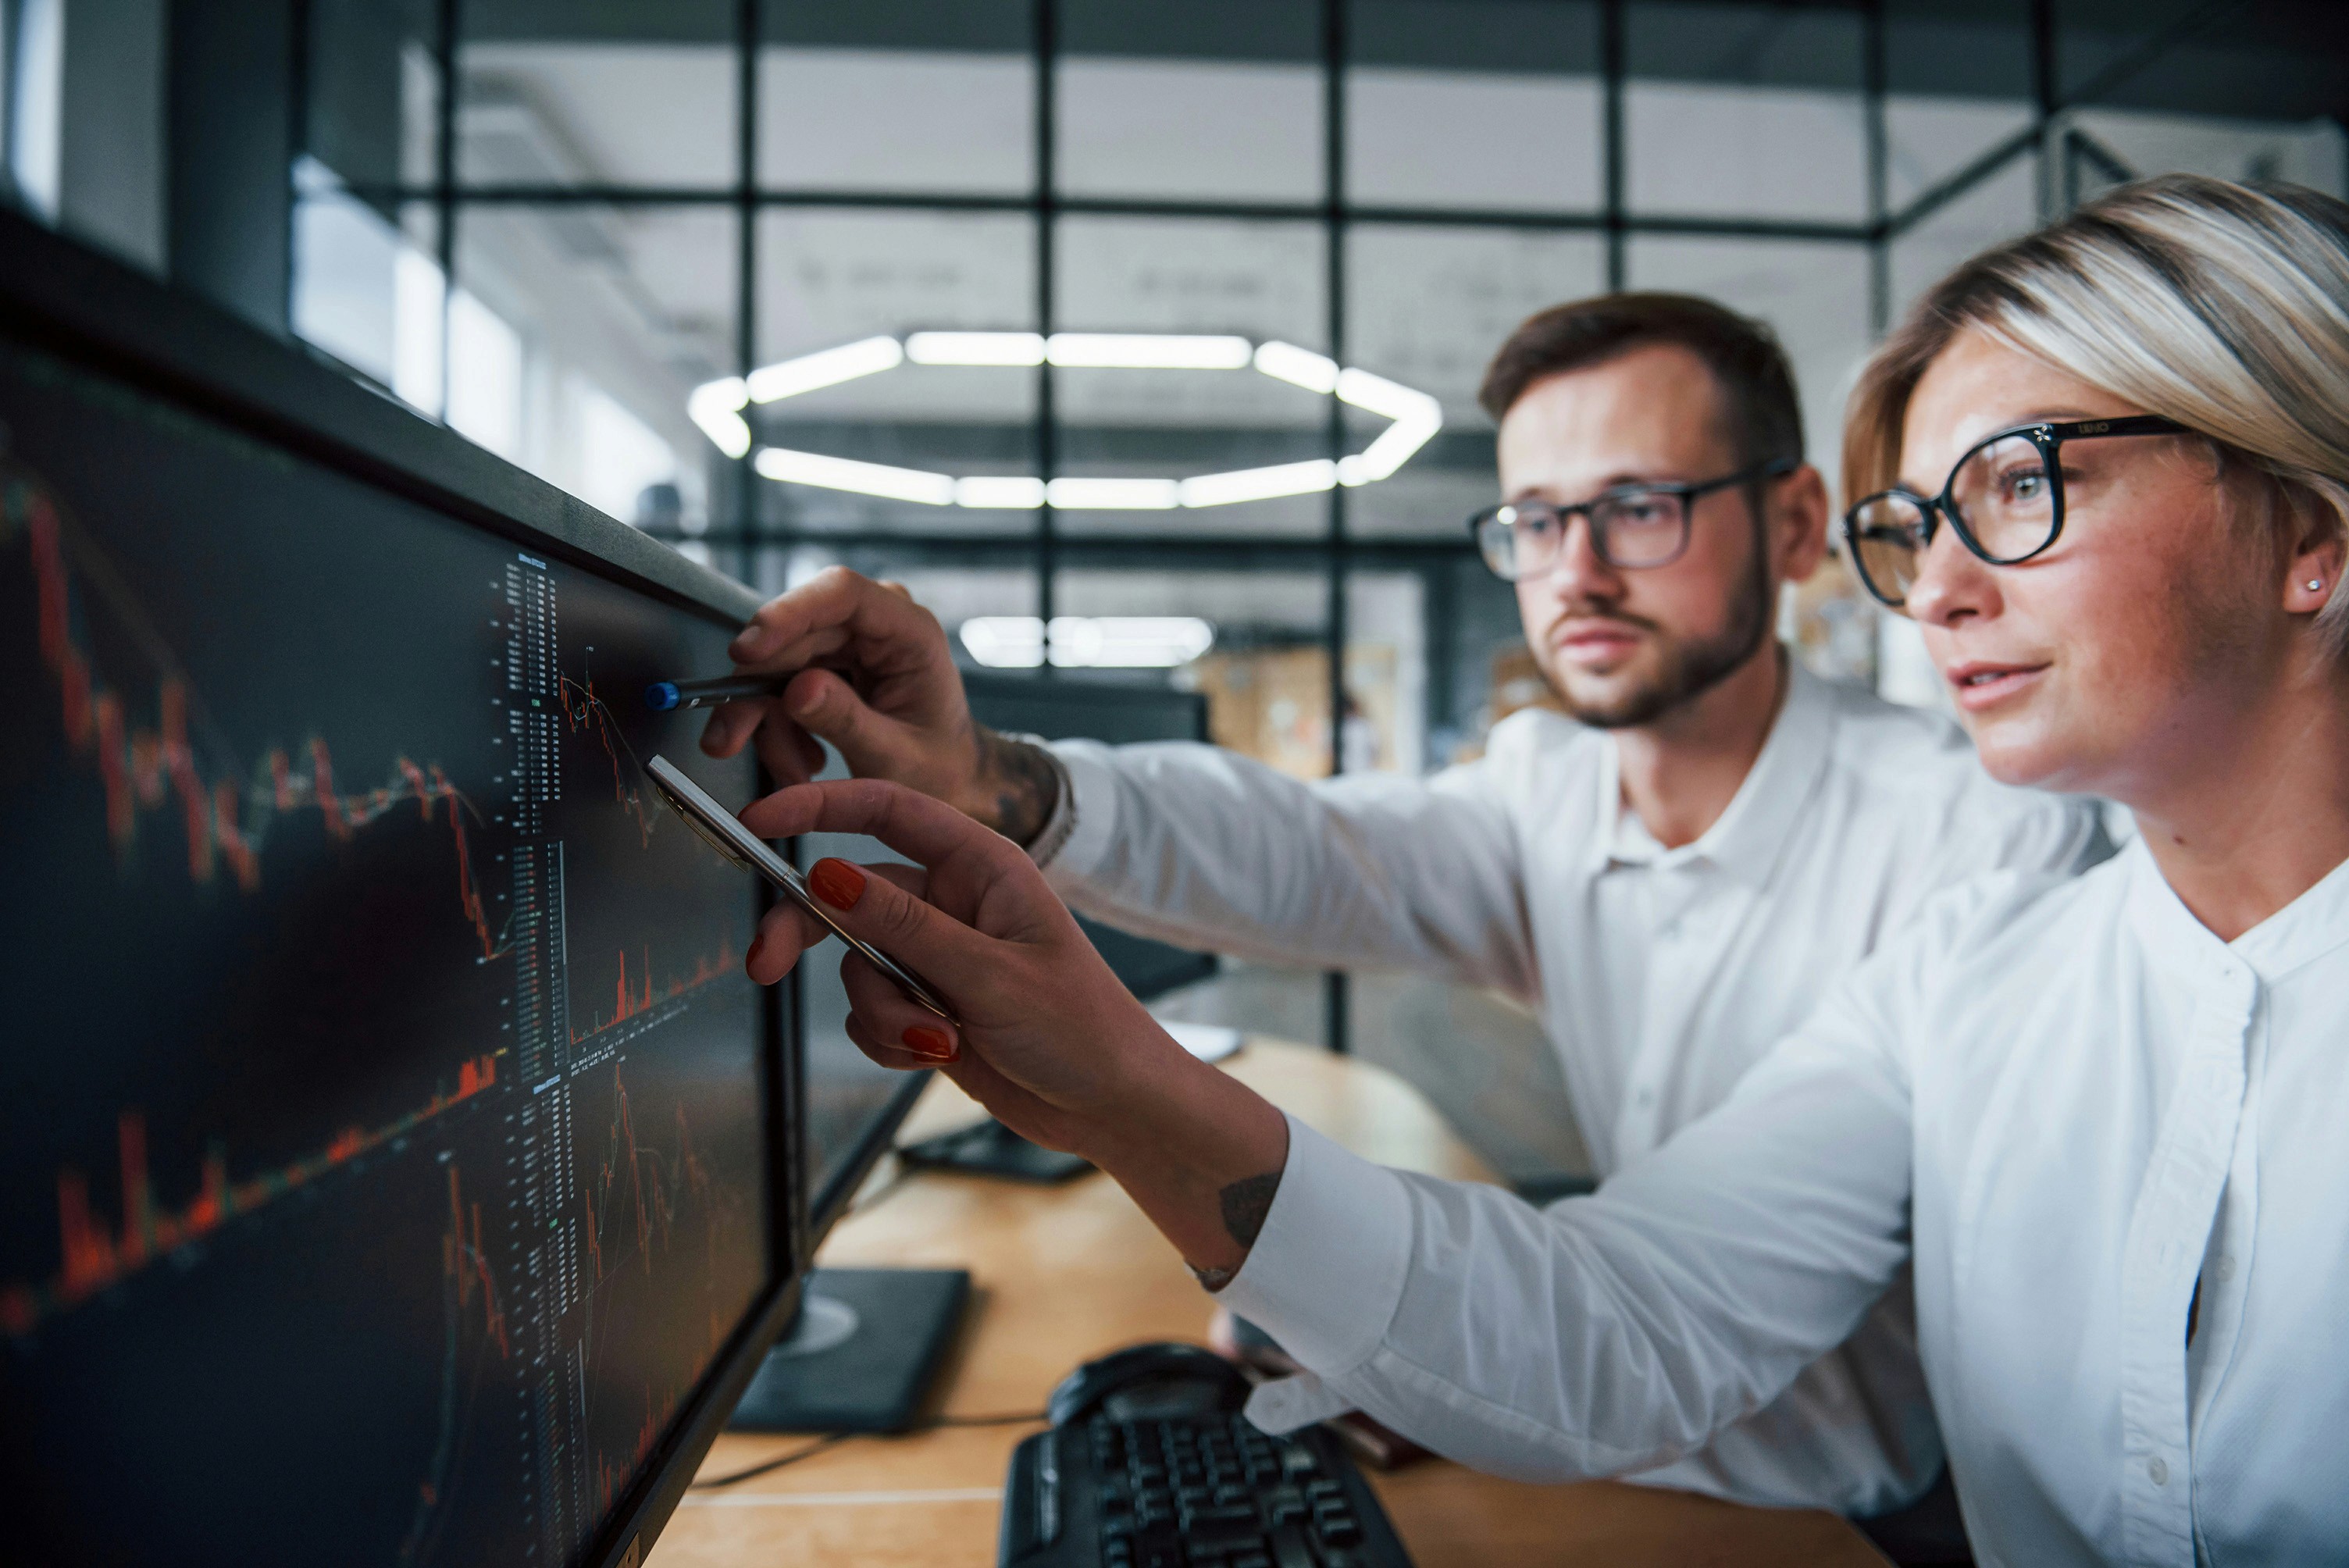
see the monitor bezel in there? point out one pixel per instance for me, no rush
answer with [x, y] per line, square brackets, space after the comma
[830, 1206]
[61, 299]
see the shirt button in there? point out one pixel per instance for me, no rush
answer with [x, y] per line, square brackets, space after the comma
[2158, 1471]
[2226, 1269]
[1644, 1098]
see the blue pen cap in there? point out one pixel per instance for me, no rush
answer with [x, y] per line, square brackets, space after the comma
[661, 695]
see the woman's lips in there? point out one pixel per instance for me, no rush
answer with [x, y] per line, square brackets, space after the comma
[1978, 687]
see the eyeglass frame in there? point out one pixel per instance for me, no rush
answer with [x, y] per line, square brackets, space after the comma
[1687, 494]
[2048, 437]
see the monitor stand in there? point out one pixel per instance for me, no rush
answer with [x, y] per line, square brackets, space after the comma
[861, 1355]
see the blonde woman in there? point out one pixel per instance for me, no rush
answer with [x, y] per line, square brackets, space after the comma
[2105, 467]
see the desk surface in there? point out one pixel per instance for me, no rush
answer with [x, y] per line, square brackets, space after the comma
[1063, 1273]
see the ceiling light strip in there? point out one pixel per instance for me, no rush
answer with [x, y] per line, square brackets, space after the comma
[1415, 417]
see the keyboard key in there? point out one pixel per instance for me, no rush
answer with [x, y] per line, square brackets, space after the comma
[1220, 1544]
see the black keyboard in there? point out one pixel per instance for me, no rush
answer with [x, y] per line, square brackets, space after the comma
[1205, 1489]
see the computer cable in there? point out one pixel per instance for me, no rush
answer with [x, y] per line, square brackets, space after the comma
[833, 1439]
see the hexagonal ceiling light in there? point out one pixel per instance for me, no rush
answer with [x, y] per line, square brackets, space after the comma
[717, 408]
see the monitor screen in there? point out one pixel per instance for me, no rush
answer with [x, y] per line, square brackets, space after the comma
[388, 1117]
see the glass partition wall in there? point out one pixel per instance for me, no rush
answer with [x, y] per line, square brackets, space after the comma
[1142, 341]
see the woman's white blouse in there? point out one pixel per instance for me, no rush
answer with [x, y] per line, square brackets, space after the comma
[2069, 1101]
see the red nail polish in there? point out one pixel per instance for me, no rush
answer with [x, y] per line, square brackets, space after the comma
[757, 942]
[933, 1044]
[837, 883]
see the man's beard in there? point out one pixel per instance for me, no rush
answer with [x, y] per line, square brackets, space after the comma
[1687, 670]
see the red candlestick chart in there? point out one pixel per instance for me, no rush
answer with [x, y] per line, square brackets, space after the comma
[143, 769]
[634, 994]
[96, 1254]
[467, 1266]
[646, 1209]
[587, 714]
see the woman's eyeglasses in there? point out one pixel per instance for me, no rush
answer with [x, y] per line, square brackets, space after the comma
[1632, 527]
[2004, 499]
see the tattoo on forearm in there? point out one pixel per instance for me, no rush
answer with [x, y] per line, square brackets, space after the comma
[1025, 787]
[1246, 1203]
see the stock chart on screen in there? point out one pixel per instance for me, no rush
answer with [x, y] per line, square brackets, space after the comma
[386, 1141]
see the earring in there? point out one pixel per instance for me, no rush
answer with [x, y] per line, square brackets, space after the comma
[2314, 584]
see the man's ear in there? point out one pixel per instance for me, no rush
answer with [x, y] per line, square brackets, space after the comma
[1798, 523]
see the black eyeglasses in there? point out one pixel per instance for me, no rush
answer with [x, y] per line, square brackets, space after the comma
[1632, 527]
[2004, 498]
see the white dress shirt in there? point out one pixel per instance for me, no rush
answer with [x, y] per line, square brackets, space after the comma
[2064, 1101]
[1661, 975]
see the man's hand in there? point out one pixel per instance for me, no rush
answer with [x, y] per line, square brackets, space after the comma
[875, 679]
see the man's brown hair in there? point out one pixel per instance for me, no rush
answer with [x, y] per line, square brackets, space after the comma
[1757, 385]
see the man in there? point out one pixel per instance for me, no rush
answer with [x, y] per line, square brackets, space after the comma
[1673, 876]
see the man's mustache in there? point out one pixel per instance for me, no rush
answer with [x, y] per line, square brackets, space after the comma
[1577, 617]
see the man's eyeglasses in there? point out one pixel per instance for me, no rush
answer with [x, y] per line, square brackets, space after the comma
[2004, 499]
[1632, 527]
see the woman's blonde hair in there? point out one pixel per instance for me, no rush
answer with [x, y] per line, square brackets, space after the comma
[2222, 306]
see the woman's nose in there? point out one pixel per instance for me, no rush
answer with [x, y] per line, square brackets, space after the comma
[1952, 583]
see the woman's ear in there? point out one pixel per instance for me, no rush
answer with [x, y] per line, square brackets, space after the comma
[2317, 550]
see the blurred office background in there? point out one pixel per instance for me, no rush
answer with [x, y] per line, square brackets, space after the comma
[566, 227]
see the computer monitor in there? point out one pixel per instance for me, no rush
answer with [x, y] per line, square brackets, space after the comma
[398, 1163]
[1120, 710]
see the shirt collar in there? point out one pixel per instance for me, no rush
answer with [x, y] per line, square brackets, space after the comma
[2311, 926]
[1745, 840]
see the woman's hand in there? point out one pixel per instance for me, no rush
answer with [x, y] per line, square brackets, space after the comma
[1049, 1040]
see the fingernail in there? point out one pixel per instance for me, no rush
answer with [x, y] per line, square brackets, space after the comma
[837, 883]
[752, 957]
[933, 1044]
[748, 643]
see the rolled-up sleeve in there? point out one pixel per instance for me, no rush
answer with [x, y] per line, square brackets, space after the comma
[1612, 1333]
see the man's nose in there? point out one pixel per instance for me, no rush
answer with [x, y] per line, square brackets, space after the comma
[1577, 571]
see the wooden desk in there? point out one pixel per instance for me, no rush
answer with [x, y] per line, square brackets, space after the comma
[1061, 1274]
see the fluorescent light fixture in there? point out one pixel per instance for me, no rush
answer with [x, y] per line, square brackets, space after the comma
[1129, 642]
[828, 367]
[1004, 492]
[1415, 417]
[1083, 642]
[862, 479]
[1148, 351]
[1113, 495]
[975, 348]
[1258, 484]
[716, 407]
[1005, 642]
[1391, 400]
[1395, 445]
[1298, 366]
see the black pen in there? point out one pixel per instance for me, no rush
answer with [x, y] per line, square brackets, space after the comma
[661, 697]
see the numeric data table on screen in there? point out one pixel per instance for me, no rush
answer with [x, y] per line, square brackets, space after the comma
[385, 1141]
